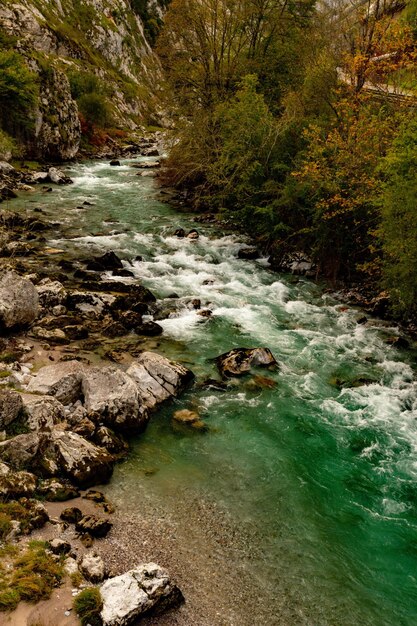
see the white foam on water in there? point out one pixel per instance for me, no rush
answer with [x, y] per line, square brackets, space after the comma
[183, 326]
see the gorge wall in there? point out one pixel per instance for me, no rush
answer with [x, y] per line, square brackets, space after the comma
[79, 38]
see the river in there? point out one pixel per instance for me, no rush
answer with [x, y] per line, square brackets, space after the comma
[315, 474]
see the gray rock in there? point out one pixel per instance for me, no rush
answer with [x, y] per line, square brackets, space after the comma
[51, 293]
[112, 397]
[42, 412]
[59, 546]
[59, 453]
[240, 360]
[62, 380]
[144, 589]
[11, 407]
[6, 168]
[92, 568]
[19, 302]
[57, 177]
[158, 379]
[20, 451]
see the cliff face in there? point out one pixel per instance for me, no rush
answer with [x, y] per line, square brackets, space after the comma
[100, 37]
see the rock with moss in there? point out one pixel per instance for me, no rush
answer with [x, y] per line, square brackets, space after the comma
[57, 490]
[17, 484]
[19, 302]
[21, 451]
[146, 589]
[51, 293]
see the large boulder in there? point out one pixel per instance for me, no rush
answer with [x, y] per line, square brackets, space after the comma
[71, 455]
[158, 379]
[59, 453]
[145, 589]
[112, 397]
[240, 360]
[42, 412]
[62, 380]
[19, 302]
[11, 407]
[20, 451]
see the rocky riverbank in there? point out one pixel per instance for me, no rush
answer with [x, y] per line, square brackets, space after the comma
[66, 407]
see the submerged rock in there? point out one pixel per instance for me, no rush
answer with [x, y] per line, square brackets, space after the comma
[145, 589]
[240, 360]
[19, 301]
[185, 416]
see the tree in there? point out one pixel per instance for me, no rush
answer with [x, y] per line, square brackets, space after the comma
[207, 46]
[18, 93]
[339, 173]
[399, 224]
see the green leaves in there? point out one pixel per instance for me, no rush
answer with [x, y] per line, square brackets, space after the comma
[18, 92]
[399, 226]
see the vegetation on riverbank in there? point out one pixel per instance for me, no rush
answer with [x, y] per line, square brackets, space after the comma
[286, 126]
[29, 574]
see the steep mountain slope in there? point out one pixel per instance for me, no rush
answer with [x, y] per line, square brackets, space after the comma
[77, 39]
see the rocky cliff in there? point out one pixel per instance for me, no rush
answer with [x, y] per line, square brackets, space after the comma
[75, 38]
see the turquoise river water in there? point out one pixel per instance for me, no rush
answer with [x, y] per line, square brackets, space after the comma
[320, 476]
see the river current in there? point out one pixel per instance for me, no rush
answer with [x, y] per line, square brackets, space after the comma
[318, 470]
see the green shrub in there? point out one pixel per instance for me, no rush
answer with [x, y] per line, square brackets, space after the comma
[83, 82]
[88, 605]
[95, 109]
